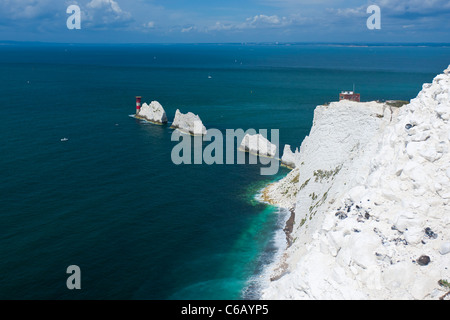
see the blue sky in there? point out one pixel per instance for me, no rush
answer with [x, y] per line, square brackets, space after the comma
[154, 21]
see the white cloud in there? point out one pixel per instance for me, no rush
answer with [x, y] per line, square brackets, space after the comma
[258, 21]
[149, 25]
[422, 7]
[188, 29]
[29, 9]
[349, 12]
[264, 20]
[108, 4]
[294, 4]
[105, 13]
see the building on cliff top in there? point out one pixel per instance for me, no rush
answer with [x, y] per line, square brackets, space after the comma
[349, 95]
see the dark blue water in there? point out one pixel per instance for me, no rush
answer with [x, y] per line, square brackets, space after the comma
[111, 201]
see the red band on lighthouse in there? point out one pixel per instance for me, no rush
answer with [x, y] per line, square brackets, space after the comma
[138, 104]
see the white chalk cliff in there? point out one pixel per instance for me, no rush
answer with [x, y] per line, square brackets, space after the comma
[188, 123]
[371, 191]
[259, 145]
[153, 112]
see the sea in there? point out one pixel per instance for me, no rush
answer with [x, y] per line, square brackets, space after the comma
[83, 183]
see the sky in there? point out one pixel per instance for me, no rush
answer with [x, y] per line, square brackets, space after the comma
[221, 21]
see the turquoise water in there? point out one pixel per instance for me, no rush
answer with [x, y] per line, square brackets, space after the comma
[111, 201]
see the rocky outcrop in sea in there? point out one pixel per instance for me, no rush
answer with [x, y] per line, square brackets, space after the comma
[188, 123]
[288, 158]
[153, 112]
[259, 145]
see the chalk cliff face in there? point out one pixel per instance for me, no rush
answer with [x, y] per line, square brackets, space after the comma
[372, 214]
[259, 145]
[153, 112]
[188, 123]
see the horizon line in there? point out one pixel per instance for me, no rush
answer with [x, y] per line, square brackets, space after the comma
[356, 43]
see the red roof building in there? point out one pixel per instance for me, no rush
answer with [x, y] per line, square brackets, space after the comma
[349, 95]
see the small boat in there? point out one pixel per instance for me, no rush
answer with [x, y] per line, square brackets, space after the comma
[64, 139]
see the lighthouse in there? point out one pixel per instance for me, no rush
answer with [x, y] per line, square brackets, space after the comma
[138, 104]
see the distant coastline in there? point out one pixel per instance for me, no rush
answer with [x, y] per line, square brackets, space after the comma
[275, 43]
